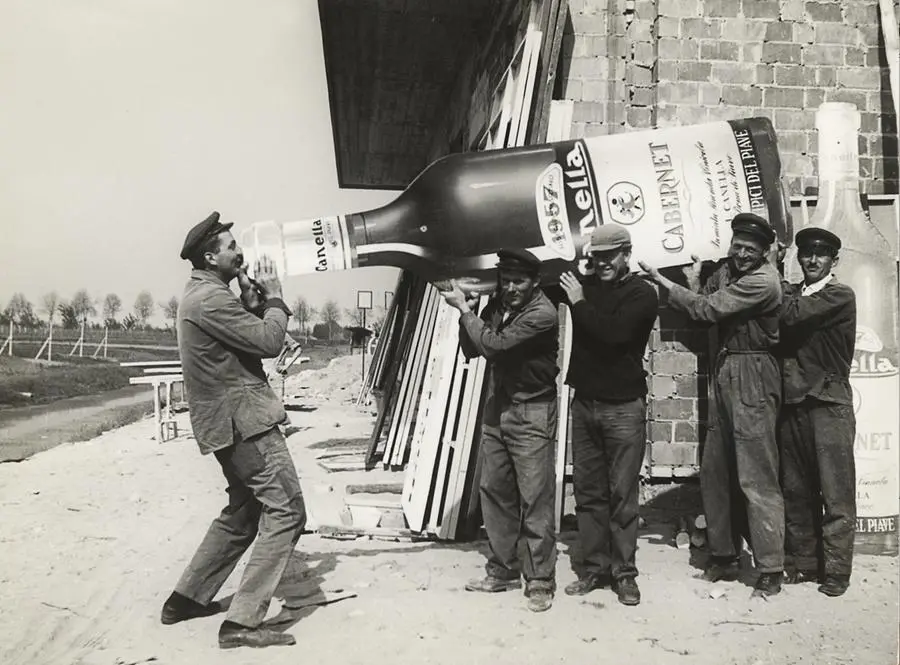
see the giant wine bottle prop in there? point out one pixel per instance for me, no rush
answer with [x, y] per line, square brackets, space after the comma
[866, 263]
[675, 189]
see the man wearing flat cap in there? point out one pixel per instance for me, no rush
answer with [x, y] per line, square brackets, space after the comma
[613, 312]
[818, 426]
[235, 416]
[739, 481]
[518, 334]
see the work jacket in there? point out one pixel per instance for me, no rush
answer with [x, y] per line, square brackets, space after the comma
[818, 335]
[222, 346]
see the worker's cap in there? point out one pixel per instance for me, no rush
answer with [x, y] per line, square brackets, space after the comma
[753, 225]
[609, 236]
[516, 258]
[202, 232]
[813, 236]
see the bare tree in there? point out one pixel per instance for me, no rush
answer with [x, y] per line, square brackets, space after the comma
[49, 305]
[331, 315]
[143, 307]
[170, 309]
[83, 305]
[303, 313]
[112, 305]
[20, 311]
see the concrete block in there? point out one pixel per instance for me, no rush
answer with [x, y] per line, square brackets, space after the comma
[701, 28]
[823, 12]
[675, 408]
[781, 53]
[779, 31]
[822, 54]
[720, 50]
[674, 454]
[674, 363]
[837, 33]
[783, 98]
[859, 77]
[726, 8]
[760, 8]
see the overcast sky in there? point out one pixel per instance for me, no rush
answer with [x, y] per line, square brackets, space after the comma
[125, 122]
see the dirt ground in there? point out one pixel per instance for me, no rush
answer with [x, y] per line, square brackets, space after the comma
[94, 534]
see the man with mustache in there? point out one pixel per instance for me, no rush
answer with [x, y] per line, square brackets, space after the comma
[818, 329]
[739, 480]
[235, 416]
[518, 335]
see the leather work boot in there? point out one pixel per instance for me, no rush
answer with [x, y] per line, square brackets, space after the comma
[627, 591]
[587, 583]
[233, 635]
[800, 576]
[721, 570]
[490, 584]
[767, 585]
[540, 600]
[179, 608]
[835, 585]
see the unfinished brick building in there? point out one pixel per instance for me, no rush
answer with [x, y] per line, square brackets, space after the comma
[412, 80]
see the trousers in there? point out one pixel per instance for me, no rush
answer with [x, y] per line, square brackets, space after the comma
[739, 481]
[265, 504]
[517, 490]
[608, 444]
[818, 477]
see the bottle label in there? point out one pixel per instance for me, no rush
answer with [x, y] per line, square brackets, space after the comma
[550, 197]
[301, 247]
[676, 190]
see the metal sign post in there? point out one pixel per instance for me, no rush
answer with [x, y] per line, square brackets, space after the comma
[363, 303]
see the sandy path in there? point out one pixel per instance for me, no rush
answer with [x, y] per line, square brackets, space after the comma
[93, 535]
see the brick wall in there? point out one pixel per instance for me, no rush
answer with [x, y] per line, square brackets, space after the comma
[644, 63]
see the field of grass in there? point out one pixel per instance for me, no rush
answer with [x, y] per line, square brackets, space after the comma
[24, 382]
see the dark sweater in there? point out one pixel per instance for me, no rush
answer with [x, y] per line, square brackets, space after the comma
[610, 330]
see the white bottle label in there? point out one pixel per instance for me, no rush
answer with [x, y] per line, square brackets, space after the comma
[301, 247]
[676, 190]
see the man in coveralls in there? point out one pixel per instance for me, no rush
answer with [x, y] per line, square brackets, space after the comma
[818, 426]
[612, 316]
[739, 481]
[235, 416]
[518, 335]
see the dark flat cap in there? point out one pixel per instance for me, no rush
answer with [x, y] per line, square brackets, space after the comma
[814, 235]
[753, 225]
[518, 259]
[202, 232]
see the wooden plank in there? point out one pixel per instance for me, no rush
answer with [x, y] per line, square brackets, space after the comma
[559, 128]
[156, 379]
[550, 49]
[151, 363]
[421, 468]
[415, 387]
[525, 87]
[411, 296]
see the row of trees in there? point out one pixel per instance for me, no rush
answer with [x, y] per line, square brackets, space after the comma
[81, 308]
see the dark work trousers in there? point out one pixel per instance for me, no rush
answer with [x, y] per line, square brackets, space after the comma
[518, 492]
[739, 480]
[608, 444]
[264, 503]
[818, 477]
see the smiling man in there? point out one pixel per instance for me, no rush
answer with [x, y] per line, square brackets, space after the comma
[818, 328]
[612, 316]
[235, 416]
[739, 481]
[518, 335]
